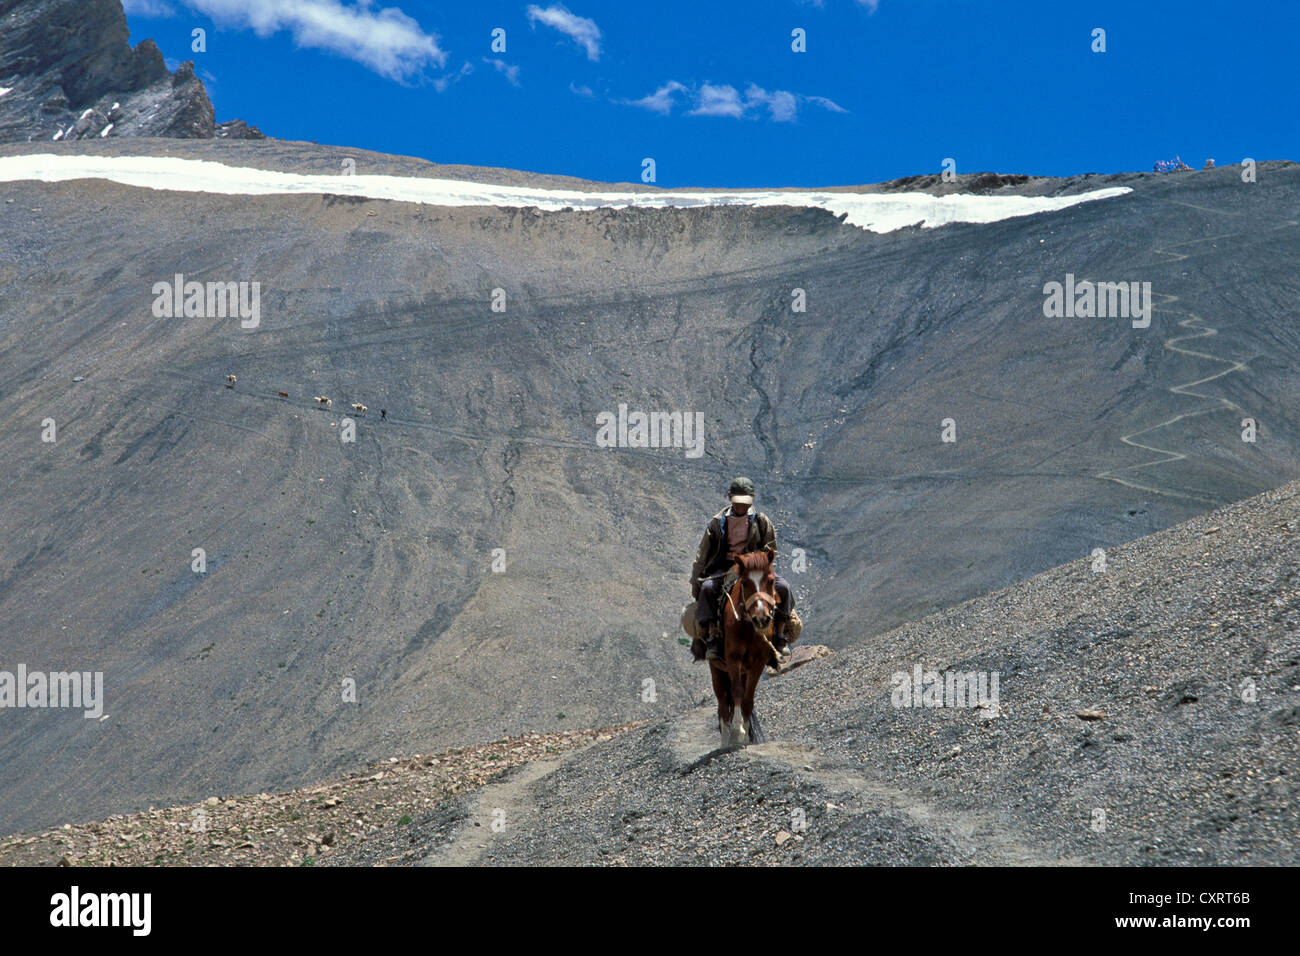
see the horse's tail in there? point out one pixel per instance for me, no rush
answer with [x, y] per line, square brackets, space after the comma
[756, 735]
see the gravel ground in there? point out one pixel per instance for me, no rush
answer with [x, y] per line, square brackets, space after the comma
[1183, 658]
[1147, 713]
[297, 828]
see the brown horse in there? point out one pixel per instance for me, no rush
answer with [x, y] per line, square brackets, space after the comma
[747, 611]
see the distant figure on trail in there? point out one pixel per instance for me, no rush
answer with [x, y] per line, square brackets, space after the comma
[383, 414]
[734, 530]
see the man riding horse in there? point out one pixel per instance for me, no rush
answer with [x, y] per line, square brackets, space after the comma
[734, 530]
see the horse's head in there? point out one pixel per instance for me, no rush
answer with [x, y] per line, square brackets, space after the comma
[756, 596]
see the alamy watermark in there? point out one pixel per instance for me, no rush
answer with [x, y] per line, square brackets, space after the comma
[651, 430]
[923, 688]
[81, 689]
[130, 910]
[1099, 300]
[212, 300]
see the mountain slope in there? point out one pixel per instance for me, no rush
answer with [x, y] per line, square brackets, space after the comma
[1145, 714]
[372, 561]
[1189, 645]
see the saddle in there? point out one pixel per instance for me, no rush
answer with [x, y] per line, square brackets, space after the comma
[793, 627]
[725, 584]
[691, 627]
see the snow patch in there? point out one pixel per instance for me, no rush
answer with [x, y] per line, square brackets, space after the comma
[107, 129]
[876, 212]
[6, 89]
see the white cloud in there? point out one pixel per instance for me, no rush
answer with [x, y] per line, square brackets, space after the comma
[661, 100]
[446, 80]
[510, 72]
[715, 99]
[826, 104]
[581, 90]
[581, 30]
[783, 105]
[386, 40]
[149, 8]
[718, 101]
[871, 5]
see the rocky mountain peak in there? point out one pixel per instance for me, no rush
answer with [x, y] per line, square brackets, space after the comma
[68, 71]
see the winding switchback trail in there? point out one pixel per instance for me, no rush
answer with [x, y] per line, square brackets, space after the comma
[1197, 322]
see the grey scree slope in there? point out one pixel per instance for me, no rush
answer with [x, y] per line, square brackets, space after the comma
[1189, 644]
[371, 561]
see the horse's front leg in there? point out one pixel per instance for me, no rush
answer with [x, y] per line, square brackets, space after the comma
[739, 722]
[722, 691]
[753, 674]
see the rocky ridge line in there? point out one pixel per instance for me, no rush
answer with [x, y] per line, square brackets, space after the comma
[70, 73]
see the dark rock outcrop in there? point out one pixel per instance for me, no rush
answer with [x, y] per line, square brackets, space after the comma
[70, 73]
[238, 129]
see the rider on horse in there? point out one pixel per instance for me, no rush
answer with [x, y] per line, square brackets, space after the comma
[732, 531]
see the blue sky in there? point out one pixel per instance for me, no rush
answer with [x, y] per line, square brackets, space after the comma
[715, 94]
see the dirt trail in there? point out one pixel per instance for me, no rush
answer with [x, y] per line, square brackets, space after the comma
[496, 809]
[1201, 330]
[992, 841]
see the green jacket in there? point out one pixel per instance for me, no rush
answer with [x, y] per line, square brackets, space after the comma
[712, 555]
